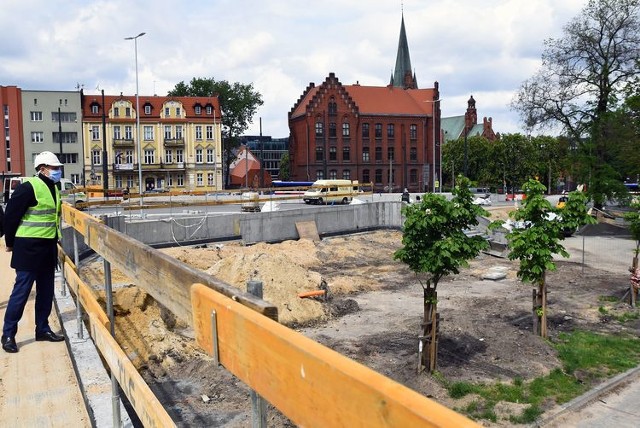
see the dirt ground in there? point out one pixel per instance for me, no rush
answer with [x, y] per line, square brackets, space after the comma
[372, 316]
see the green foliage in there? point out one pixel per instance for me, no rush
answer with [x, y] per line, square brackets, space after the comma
[239, 102]
[284, 173]
[633, 218]
[434, 242]
[536, 243]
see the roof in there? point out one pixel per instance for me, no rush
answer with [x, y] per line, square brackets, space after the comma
[378, 100]
[403, 59]
[452, 127]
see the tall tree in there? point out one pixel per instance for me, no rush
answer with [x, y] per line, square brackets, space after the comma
[238, 102]
[582, 79]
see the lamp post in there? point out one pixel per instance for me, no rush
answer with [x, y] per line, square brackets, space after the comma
[436, 107]
[135, 42]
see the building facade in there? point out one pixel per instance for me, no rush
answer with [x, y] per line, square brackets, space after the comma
[12, 155]
[52, 121]
[179, 142]
[455, 127]
[268, 150]
[387, 136]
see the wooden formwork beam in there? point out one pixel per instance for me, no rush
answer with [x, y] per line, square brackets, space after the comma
[311, 384]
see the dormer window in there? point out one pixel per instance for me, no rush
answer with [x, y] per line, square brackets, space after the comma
[198, 110]
[177, 111]
[209, 110]
[166, 112]
[147, 109]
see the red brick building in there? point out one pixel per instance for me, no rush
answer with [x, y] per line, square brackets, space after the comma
[12, 160]
[389, 136]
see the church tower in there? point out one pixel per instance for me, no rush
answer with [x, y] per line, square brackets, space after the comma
[402, 76]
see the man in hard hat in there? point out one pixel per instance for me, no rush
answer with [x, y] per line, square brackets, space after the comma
[32, 230]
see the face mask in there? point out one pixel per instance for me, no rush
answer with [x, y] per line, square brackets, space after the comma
[55, 175]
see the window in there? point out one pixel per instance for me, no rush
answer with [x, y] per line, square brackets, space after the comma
[378, 176]
[95, 108]
[413, 132]
[36, 116]
[378, 153]
[127, 111]
[129, 181]
[65, 137]
[346, 154]
[198, 155]
[128, 132]
[365, 176]
[179, 155]
[390, 130]
[390, 153]
[333, 154]
[210, 181]
[37, 137]
[333, 107]
[413, 154]
[198, 110]
[118, 158]
[96, 157]
[67, 117]
[365, 154]
[333, 174]
[209, 110]
[178, 111]
[148, 133]
[199, 179]
[319, 154]
[147, 109]
[166, 112]
[75, 178]
[179, 132]
[128, 158]
[346, 174]
[168, 156]
[319, 129]
[378, 130]
[149, 157]
[320, 175]
[116, 112]
[211, 158]
[95, 132]
[68, 158]
[167, 132]
[209, 130]
[365, 130]
[332, 130]
[180, 179]
[345, 129]
[118, 182]
[413, 176]
[198, 132]
[116, 132]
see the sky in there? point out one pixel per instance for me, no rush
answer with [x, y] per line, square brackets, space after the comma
[486, 49]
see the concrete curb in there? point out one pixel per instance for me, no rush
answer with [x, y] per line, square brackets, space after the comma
[93, 380]
[588, 397]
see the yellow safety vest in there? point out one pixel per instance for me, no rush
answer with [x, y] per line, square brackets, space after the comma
[43, 220]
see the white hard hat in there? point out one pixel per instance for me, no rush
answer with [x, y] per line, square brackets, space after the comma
[46, 158]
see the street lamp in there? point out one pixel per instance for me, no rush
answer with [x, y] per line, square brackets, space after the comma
[433, 146]
[135, 42]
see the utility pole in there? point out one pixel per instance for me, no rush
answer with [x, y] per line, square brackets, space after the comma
[60, 137]
[105, 157]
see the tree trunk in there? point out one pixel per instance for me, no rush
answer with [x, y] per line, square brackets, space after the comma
[540, 308]
[428, 352]
[543, 297]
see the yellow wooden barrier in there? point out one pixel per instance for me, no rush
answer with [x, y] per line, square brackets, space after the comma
[311, 384]
[148, 408]
[85, 295]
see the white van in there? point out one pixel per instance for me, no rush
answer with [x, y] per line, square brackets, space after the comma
[68, 190]
[330, 191]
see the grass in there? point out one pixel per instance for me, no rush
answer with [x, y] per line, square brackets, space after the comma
[593, 356]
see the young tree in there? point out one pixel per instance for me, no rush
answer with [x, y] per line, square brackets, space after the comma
[582, 79]
[538, 240]
[238, 102]
[284, 172]
[435, 245]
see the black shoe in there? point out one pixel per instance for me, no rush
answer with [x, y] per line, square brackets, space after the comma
[49, 336]
[9, 344]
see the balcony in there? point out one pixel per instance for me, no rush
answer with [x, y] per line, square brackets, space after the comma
[123, 167]
[123, 142]
[174, 142]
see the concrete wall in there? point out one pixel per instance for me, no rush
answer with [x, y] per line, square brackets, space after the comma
[251, 227]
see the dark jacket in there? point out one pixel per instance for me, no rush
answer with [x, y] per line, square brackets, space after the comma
[29, 254]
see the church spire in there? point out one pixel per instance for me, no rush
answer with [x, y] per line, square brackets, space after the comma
[403, 77]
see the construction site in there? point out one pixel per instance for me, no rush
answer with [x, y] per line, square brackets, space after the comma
[303, 317]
